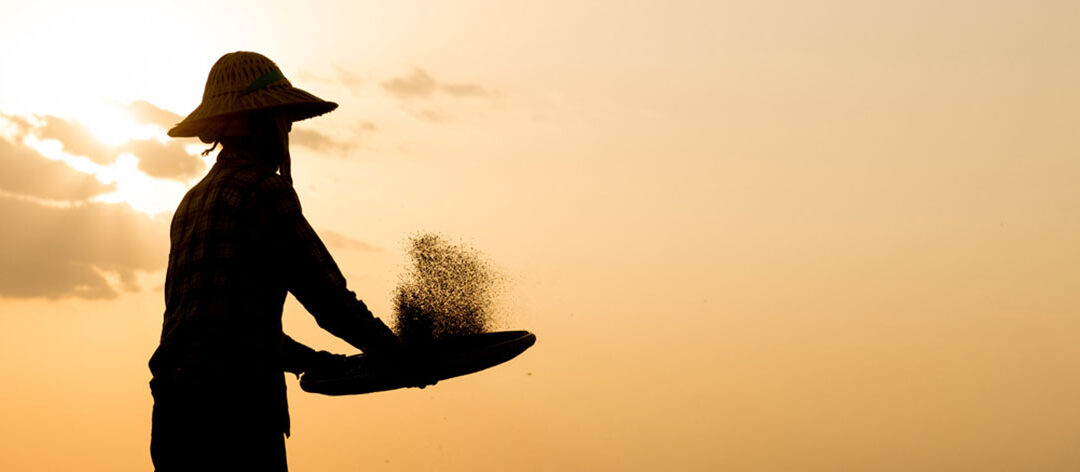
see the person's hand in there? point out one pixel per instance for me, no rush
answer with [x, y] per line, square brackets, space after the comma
[380, 341]
[414, 369]
[324, 363]
[405, 363]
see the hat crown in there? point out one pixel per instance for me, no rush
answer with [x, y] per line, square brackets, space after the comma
[234, 72]
[246, 82]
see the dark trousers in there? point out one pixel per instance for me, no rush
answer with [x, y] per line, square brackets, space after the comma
[213, 431]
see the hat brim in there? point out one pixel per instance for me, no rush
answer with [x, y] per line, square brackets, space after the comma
[213, 115]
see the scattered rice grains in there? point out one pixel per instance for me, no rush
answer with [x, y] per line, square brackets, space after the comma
[448, 290]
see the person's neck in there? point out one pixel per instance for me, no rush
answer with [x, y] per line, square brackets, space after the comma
[246, 154]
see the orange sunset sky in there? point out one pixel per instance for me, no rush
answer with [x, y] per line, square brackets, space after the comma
[750, 236]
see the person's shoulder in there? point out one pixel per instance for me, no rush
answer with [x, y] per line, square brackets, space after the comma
[273, 184]
[241, 173]
[244, 178]
[273, 190]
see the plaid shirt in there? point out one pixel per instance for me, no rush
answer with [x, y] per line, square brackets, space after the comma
[239, 242]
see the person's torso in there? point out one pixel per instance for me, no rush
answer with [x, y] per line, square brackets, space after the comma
[223, 291]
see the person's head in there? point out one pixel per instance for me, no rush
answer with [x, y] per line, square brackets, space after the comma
[262, 136]
[248, 104]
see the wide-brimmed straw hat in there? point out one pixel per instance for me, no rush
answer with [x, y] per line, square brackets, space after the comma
[244, 82]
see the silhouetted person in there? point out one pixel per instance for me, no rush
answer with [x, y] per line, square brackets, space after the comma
[239, 242]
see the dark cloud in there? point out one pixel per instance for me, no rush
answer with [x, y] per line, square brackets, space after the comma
[146, 112]
[337, 240]
[165, 161]
[56, 252]
[420, 84]
[76, 139]
[24, 171]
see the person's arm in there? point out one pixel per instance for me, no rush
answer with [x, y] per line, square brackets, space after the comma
[315, 280]
[297, 358]
[313, 277]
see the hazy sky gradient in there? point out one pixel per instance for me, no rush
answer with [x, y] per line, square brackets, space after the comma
[750, 236]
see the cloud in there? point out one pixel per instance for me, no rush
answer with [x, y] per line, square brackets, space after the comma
[429, 114]
[165, 161]
[317, 141]
[427, 98]
[56, 243]
[416, 84]
[348, 78]
[146, 112]
[24, 171]
[26, 278]
[19, 125]
[343, 76]
[465, 90]
[305, 76]
[77, 139]
[314, 140]
[337, 240]
[420, 94]
[56, 252]
[420, 84]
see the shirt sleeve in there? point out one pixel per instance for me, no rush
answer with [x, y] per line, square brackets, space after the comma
[308, 270]
[296, 357]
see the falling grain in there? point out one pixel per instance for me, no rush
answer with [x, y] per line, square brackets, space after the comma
[448, 290]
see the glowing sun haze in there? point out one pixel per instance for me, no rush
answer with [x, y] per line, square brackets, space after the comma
[755, 236]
